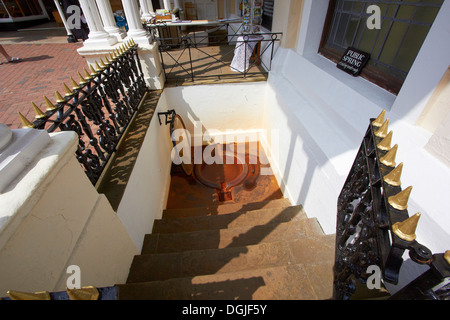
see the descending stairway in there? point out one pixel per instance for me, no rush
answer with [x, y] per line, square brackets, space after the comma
[267, 250]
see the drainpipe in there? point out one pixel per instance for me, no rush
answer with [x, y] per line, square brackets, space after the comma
[70, 37]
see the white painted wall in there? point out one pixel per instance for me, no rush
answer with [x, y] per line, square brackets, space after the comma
[227, 108]
[146, 193]
[52, 217]
[323, 113]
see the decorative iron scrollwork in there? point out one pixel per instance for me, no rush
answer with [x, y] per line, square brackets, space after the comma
[373, 226]
[87, 108]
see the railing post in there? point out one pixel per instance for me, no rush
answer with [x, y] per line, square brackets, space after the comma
[189, 44]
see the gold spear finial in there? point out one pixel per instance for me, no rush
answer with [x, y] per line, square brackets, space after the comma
[93, 71]
[82, 80]
[389, 158]
[406, 230]
[87, 75]
[50, 105]
[25, 122]
[97, 67]
[59, 98]
[84, 293]
[385, 144]
[18, 295]
[75, 85]
[67, 90]
[393, 177]
[102, 63]
[382, 132]
[38, 112]
[447, 256]
[378, 122]
[400, 200]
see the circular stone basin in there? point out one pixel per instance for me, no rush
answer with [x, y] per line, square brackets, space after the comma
[223, 176]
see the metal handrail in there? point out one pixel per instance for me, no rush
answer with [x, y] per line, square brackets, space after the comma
[179, 52]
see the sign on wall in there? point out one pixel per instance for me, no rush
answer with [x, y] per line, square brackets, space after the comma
[353, 61]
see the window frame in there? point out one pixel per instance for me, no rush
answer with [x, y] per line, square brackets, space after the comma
[370, 73]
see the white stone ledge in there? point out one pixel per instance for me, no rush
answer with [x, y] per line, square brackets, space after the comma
[19, 195]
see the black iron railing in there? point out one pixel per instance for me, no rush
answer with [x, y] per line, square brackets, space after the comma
[98, 109]
[373, 225]
[208, 54]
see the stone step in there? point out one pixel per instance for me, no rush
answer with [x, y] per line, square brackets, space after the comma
[230, 220]
[225, 209]
[237, 236]
[163, 266]
[289, 282]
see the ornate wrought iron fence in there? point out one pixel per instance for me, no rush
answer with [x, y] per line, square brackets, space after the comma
[98, 109]
[202, 55]
[373, 224]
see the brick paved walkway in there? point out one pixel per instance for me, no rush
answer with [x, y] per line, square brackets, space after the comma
[43, 69]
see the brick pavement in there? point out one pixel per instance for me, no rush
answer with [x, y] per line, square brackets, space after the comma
[43, 69]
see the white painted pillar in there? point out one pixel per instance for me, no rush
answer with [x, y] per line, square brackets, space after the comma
[150, 7]
[145, 9]
[167, 5]
[109, 22]
[177, 4]
[97, 34]
[135, 29]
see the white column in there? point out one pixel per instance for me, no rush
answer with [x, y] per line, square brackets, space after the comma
[135, 28]
[167, 5]
[109, 22]
[177, 4]
[97, 34]
[145, 9]
[150, 7]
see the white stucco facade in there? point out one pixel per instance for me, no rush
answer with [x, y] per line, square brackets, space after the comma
[309, 116]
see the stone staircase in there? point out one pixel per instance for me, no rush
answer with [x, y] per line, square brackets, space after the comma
[265, 250]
